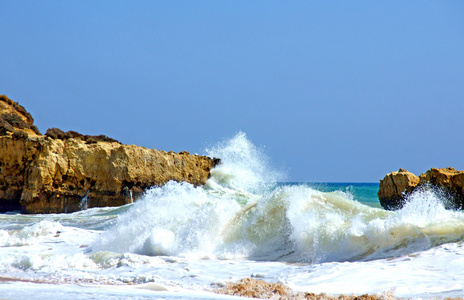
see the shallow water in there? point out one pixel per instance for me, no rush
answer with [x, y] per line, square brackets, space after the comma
[178, 241]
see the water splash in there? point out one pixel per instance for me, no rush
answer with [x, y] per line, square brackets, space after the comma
[242, 213]
[83, 205]
[243, 165]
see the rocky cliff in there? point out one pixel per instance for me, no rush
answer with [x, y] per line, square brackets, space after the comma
[395, 187]
[67, 171]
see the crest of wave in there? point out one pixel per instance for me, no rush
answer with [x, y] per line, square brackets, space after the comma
[176, 219]
[243, 165]
[179, 219]
[333, 227]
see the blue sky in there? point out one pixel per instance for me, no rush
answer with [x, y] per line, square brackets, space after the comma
[333, 90]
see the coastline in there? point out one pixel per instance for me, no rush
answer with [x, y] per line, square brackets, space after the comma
[244, 288]
[63, 172]
[247, 288]
[101, 271]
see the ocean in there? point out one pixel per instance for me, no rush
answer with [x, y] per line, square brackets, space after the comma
[184, 242]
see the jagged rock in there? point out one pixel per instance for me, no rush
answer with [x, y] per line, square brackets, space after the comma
[14, 119]
[450, 181]
[57, 133]
[42, 174]
[256, 288]
[396, 186]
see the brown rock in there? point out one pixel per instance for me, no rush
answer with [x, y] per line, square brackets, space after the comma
[394, 187]
[253, 288]
[256, 288]
[15, 120]
[450, 182]
[57, 133]
[41, 174]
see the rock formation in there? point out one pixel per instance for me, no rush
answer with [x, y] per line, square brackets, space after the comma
[65, 171]
[395, 187]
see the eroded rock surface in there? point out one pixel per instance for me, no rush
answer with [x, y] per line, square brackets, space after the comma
[55, 172]
[396, 186]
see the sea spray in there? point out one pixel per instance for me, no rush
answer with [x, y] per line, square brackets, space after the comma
[242, 212]
[179, 219]
[332, 227]
[243, 165]
[84, 203]
[243, 223]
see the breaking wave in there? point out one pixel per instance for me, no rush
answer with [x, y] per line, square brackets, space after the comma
[243, 212]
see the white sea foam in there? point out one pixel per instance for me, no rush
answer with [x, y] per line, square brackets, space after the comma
[243, 165]
[239, 214]
[243, 224]
[332, 227]
[28, 235]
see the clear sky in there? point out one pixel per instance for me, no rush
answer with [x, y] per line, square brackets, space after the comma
[334, 90]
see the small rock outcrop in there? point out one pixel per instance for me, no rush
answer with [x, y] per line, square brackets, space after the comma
[396, 186]
[63, 172]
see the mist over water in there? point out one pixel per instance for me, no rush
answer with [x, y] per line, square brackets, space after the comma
[242, 212]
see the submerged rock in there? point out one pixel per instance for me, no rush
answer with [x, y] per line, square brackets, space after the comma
[396, 186]
[60, 171]
[253, 288]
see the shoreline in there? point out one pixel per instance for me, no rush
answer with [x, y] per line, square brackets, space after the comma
[244, 288]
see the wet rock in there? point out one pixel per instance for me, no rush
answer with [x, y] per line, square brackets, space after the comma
[396, 186]
[253, 288]
[450, 181]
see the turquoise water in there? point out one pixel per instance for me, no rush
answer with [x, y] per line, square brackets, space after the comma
[364, 192]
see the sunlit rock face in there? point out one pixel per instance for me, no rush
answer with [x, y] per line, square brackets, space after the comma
[67, 171]
[395, 187]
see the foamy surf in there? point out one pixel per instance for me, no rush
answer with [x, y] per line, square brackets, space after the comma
[286, 223]
[243, 223]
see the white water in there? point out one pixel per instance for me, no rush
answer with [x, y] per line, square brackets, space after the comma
[240, 224]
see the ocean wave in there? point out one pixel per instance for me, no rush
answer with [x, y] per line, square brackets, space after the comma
[242, 212]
